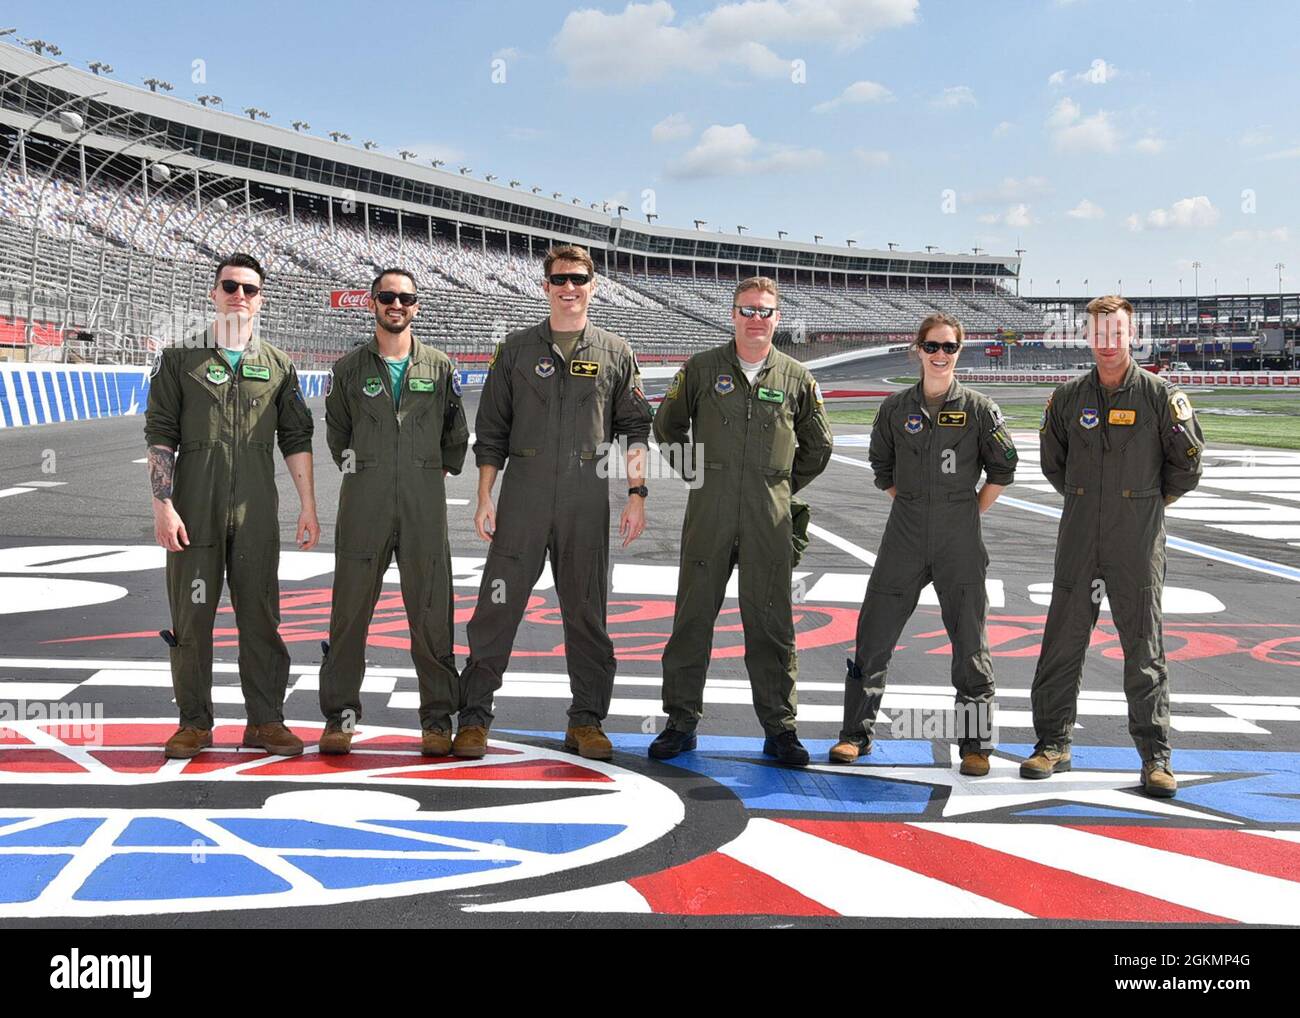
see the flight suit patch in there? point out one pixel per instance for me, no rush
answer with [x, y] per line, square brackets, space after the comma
[1042, 424]
[217, 374]
[913, 425]
[455, 382]
[952, 418]
[1122, 417]
[724, 384]
[373, 386]
[259, 371]
[422, 385]
[817, 393]
[1004, 440]
[1089, 418]
[1181, 406]
[496, 352]
[675, 386]
[771, 395]
[584, 369]
[545, 367]
[995, 412]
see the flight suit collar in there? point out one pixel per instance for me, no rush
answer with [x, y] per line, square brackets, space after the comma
[955, 391]
[734, 355]
[1094, 377]
[584, 340]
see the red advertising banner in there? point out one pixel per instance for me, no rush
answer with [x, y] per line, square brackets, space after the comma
[348, 298]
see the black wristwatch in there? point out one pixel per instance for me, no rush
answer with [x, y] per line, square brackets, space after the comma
[643, 491]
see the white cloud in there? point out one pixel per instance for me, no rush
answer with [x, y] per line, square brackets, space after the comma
[647, 42]
[1150, 145]
[871, 157]
[1016, 216]
[1056, 78]
[1073, 132]
[1186, 214]
[1086, 210]
[508, 53]
[858, 92]
[730, 151]
[954, 97]
[1256, 136]
[1279, 235]
[673, 127]
[1098, 73]
[1003, 129]
[1286, 153]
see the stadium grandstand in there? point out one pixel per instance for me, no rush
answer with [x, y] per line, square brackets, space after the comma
[115, 202]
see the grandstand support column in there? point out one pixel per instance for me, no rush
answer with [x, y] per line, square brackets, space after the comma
[428, 222]
[198, 192]
[482, 238]
[458, 233]
[401, 241]
[329, 204]
[365, 211]
[693, 268]
[81, 162]
[22, 156]
[248, 197]
[144, 178]
[291, 218]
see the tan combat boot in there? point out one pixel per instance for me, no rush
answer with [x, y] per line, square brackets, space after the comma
[589, 742]
[435, 742]
[272, 737]
[975, 763]
[1158, 780]
[1044, 763]
[334, 741]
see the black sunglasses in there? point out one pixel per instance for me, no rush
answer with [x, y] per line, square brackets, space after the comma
[387, 297]
[930, 346]
[747, 311]
[250, 289]
[576, 278]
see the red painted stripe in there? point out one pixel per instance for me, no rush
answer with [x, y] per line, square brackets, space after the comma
[524, 770]
[217, 759]
[38, 761]
[313, 763]
[130, 761]
[8, 737]
[110, 734]
[1042, 891]
[717, 884]
[1271, 857]
[412, 743]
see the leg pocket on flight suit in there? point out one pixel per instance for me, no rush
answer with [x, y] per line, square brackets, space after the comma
[1149, 612]
[777, 610]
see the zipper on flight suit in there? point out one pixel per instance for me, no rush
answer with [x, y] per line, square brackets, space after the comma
[233, 396]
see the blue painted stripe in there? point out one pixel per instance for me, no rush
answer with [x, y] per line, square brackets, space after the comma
[65, 393]
[31, 396]
[53, 409]
[101, 394]
[79, 394]
[4, 399]
[20, 398]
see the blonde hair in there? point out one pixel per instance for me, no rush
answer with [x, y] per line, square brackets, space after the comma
[764, 284]
[1110, 303]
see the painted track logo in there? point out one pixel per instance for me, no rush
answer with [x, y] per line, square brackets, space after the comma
[136, 834]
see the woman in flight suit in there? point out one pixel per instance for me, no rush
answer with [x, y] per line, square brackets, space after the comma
[930, 445]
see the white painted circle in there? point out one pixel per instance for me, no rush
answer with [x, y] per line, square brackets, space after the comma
[20, 594]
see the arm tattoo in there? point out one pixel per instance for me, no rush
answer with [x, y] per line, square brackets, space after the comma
[162, 465]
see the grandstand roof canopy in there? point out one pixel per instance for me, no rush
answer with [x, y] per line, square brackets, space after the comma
[192, 136]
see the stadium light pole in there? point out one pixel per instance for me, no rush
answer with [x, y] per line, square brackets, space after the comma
[7, 31]
[622, 209]
[369, 145]
[514, 183]
[930, 249]
[740, 229]
[817, 238]
[1279, 266]
[849, 242]
[340, 136]
[209, 100]
[781, 234]
[157, 83]
[301, 125]
[890, 244]
[435, 163]
[537, 190]
[650, 217]
[98, 67]
[701, 222]
[253, 113]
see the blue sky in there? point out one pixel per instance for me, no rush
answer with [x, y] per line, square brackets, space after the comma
[1111, 139]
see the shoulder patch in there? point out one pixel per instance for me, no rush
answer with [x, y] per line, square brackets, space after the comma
[1180, 405]
[1042, 424]
[495, 354]
[995, 412]
[817, 393]
[675, 386]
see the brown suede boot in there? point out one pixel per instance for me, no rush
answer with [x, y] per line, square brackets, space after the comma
[590, 742]
[847, 751]
[272, 737]
[435, 742]
[334, 741]
[187, 741]
[471, 742]
[975, 764]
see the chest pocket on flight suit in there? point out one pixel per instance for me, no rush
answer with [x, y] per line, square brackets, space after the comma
[1143, 456]
[421, 416]
[958, 454]
[778, 424]
[910, 451]
[257, 407]
[716, 417]
[532, 395]
[591, 426]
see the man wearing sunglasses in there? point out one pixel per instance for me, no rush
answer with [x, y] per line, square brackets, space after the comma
[218, 405]
[396, 427]
[1120, 445]
[557, 397]
[759, 426]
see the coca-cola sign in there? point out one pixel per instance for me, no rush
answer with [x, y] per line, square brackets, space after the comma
[348, 298]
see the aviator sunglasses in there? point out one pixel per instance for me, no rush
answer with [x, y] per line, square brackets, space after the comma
[750, 312]
[576, 278]
[930, 346]
[250, 289]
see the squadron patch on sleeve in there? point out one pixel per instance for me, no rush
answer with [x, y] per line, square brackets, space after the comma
[495, 354]
[675, 386]
[455, 381]
[1180, 406]
[995, 412]
[817, 393]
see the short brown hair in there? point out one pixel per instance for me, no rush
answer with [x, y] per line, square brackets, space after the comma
[1109, 303]
[765, 284]
[241, 260]
[568, 253]
[937, 319]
